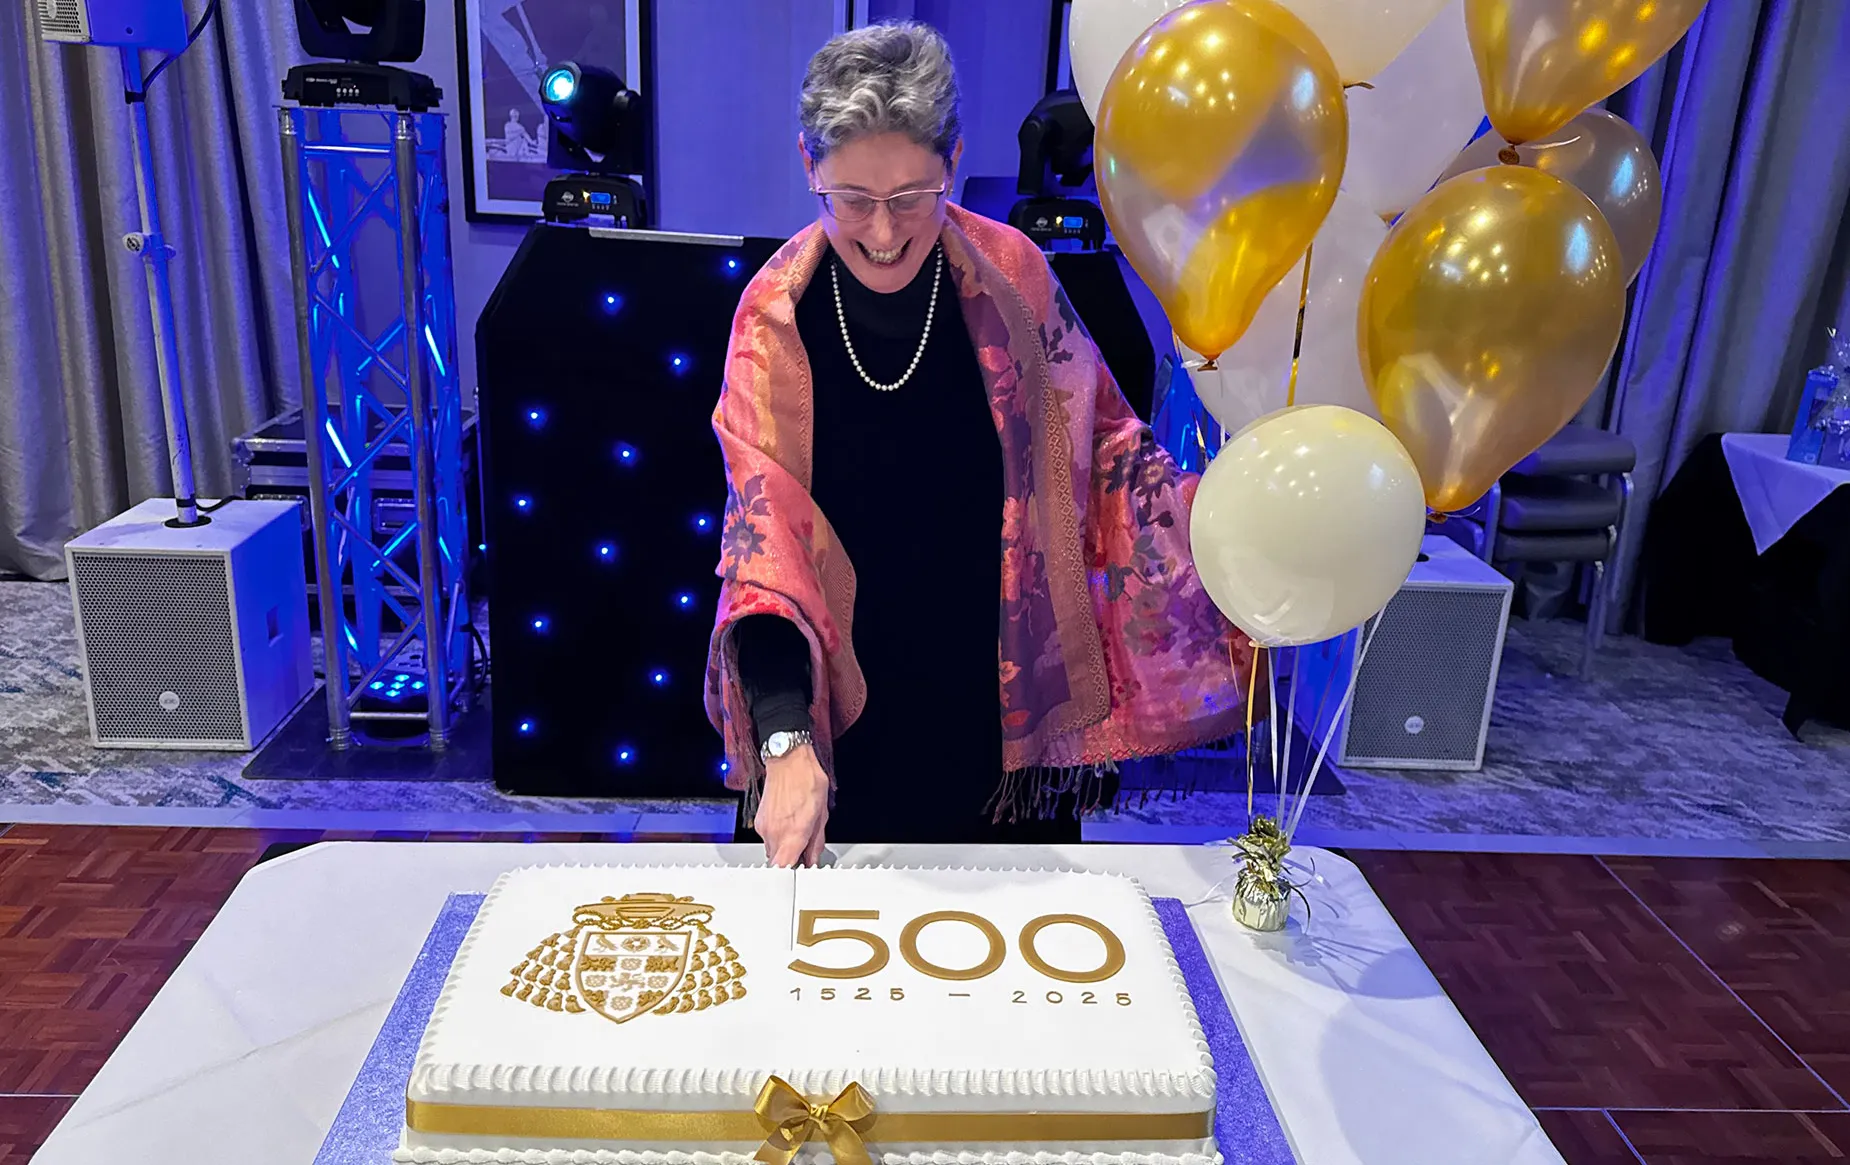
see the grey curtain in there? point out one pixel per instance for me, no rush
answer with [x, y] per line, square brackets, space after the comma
[81, 434]
[1750, 118]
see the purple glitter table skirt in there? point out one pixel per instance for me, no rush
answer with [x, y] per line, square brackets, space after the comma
[366, 1130]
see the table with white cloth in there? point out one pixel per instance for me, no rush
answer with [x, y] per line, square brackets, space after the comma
[1775, 493]
[248, 1051]
[1747, 545]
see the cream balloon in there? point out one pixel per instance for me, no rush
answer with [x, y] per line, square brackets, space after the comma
[1098, 32]
[1306, 524]
[1364, 35]
[1603, 157]
[1250, 379]
[1422, 110]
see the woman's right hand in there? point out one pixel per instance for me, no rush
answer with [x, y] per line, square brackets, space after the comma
[794, 810]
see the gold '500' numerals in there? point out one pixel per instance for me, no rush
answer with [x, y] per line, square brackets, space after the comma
[879, 954]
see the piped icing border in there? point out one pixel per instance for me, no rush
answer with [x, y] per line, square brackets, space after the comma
[438, 1082]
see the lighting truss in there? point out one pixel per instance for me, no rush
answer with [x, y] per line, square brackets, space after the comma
[376, 328]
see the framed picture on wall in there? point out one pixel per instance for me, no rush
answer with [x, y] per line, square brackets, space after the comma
[505, 47]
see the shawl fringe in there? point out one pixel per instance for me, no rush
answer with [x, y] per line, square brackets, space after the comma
[1037, 793]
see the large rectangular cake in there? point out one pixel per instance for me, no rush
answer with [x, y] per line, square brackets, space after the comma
[628, 1015]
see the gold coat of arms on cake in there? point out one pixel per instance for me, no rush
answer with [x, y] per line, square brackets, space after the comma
[630, 956]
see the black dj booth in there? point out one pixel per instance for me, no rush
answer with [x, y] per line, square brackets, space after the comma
[600, 361]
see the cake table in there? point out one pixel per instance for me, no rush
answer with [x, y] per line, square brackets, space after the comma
[250, 1049]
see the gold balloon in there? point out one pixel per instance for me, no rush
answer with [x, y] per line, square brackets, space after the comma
[1606, 160]
[1487, 319]
[1219, 148]
[1542, 61]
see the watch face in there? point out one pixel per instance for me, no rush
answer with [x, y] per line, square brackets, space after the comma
[778, 745]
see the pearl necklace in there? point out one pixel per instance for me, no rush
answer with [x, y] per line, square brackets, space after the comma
[931, 310]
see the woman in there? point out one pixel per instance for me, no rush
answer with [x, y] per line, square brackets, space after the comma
[907, 388]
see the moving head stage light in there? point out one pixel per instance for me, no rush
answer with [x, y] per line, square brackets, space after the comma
[598, 133]
[1056, 152]
[361, 35]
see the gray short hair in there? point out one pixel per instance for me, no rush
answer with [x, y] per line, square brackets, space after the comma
[887, 78]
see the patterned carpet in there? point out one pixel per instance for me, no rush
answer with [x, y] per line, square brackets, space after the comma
[1660, 743]
[46, 757]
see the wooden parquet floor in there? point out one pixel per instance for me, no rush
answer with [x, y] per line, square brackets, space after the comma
[1652, 1011]
[1666, 1011]
[94, 919]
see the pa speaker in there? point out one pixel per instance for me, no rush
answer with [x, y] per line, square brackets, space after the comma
[194, 637]
[141, 24]
[1424, 690]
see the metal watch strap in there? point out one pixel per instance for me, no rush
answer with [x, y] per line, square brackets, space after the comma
[796, 740]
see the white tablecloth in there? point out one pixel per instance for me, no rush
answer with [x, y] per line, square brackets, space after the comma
[1775, 493]
[248, 1051]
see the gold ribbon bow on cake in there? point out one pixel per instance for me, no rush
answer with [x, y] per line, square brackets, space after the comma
[791, 1120]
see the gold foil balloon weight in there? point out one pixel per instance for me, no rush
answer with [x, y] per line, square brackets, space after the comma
[1262, 893]
[1257, 905]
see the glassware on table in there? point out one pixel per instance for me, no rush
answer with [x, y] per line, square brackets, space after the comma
[1823, 385]
[1834, 447]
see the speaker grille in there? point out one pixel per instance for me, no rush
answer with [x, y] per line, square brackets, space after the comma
[63, 20]
[1431, 659]
[158, 624]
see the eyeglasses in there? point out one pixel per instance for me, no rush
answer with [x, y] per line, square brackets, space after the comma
[856, 206]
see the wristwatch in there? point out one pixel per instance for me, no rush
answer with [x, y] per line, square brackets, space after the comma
[781, 744]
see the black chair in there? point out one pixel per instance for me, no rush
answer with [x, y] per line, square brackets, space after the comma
[1565, 502]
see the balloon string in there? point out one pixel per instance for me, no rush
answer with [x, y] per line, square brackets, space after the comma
[1271, 720]
[1291, 719]
[1297, 342]
[1252, 687]
[1355, 677]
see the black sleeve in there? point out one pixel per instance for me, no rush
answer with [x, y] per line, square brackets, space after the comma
[774, 669]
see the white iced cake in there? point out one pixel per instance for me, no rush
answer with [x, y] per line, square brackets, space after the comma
[613, 1015]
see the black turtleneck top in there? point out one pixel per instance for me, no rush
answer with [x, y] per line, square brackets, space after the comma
[911, 480]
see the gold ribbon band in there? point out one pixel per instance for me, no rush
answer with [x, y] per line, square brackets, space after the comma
[934, 1128]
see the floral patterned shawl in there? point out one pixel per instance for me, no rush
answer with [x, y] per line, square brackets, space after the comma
[1108, 647]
